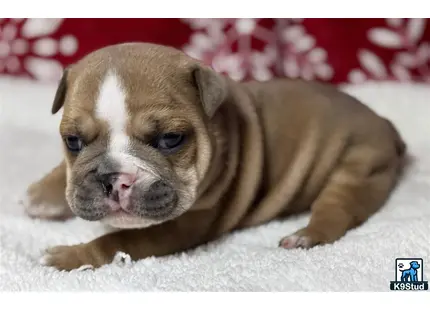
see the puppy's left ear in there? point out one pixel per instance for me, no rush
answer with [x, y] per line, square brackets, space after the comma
[212, 87]
[60, 94]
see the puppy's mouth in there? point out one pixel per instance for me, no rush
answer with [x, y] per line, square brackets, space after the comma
[138, 215]
[142, 208]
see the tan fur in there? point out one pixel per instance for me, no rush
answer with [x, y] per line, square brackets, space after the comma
[261, 151]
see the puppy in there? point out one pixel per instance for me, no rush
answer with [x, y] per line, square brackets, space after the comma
[174, 155]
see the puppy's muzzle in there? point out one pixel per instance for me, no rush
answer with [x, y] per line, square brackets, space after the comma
[123, 191]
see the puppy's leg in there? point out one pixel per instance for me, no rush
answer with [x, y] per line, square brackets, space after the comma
[46, 198]
[356, 189]
[183, 233]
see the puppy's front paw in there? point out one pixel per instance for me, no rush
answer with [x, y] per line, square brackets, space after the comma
[45, 211]
[38, 204]
[70, 257]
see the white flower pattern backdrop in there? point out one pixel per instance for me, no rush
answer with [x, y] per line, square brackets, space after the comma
[258, 49]
[292, 54]
[31, 39]
[412, 61]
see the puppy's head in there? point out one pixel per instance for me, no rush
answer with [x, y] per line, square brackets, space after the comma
[135, 131]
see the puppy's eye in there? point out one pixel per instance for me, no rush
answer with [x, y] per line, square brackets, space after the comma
[169, 142]
[74, 144]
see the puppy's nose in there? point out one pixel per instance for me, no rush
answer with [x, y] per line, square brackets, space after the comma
[159, 197]
[116, 185]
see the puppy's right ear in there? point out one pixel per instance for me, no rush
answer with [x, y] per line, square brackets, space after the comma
[60, 94]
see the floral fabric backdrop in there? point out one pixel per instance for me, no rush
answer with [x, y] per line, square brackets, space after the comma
[333, 50]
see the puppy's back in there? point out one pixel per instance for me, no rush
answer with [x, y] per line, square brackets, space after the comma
[297, 102]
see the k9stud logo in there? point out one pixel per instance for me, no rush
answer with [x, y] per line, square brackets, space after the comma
[409, 275]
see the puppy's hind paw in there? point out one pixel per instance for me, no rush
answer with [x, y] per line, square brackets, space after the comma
[306, 238]
[296, 241]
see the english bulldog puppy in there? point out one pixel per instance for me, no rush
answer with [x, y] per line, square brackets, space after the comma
[174, 155]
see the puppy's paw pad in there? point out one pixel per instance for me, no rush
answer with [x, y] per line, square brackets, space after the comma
[295, 241]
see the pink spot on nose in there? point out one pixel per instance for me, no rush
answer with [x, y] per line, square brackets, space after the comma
[125, 181]
[121, 189]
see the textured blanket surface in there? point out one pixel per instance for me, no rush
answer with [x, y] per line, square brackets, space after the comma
[364, 260]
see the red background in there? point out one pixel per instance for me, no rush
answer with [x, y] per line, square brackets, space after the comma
[341, 39]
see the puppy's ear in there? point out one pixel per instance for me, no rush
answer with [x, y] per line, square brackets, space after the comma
[212, 88]
[60, 94]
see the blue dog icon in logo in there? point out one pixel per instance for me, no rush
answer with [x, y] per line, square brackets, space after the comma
[410, 275]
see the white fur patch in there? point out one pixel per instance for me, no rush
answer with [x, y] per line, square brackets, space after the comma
[111, 107]
[122, 259]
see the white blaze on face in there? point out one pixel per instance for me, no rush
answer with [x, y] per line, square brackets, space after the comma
[111, 108]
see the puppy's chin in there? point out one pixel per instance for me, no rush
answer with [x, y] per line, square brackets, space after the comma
[124, 220]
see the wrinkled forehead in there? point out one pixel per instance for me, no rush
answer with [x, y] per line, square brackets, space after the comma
[125, 98]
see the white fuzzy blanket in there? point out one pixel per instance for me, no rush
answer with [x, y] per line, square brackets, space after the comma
[245, 261]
